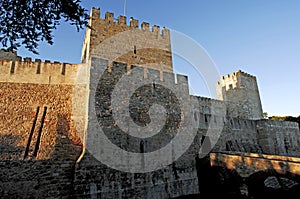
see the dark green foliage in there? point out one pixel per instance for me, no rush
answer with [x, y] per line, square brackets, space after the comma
[286, 118]
[27, 22]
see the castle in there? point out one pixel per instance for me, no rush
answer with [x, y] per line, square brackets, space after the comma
[51, 114]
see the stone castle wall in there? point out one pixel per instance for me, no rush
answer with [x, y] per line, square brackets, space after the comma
[276, 137]
[179, 178]
[60, 145]
[38, 72]
[46, 169]
[26, 85]
[240, 90]
[116, 41]
[59, 159]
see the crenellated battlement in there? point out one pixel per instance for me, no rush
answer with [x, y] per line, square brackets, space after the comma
[231, 76]
[209, 100]
[157, 76]
[240, 88]
[123, 40]
[209, 106]
[235, 80]
[126, 118]
[228, 81]
[245, 74]
[133, 23]
[37, 72]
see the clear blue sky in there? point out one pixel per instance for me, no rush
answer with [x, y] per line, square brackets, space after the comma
[261, 37]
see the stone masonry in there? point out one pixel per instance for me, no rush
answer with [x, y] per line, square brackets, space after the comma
[240, 90]
[51, 116]
[116, 41]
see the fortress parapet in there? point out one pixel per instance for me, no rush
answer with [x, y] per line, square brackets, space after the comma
[133, 23]
[237, 79]
[37, 72]
[144, 72]
[115, 40]
[240, 91]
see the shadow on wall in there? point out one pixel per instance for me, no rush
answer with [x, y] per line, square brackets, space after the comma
[217, 181]
[41, 178]
[66, 147]
[8, 148]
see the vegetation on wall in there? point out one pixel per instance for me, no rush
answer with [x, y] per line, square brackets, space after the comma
[286, 118]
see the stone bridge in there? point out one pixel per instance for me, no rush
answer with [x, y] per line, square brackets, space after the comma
[247, 164]
[256, 175]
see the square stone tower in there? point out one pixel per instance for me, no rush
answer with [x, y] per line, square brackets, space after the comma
[112, 39]
[240, 91]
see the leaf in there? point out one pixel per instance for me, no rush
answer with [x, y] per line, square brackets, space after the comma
[28, 22]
